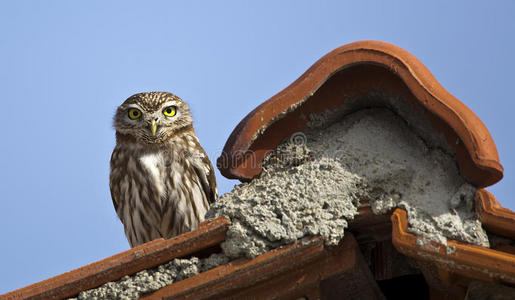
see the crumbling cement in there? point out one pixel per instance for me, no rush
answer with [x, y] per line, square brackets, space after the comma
[401, 170]
[295, 196]
[311, 185]
[146, 281]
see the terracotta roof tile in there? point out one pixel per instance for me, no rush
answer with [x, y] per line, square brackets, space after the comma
[288, 273]
[279, 117]
[131, 261]
[494, 217]
[459, 266]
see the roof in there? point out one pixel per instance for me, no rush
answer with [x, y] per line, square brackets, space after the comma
[142, 257]
[308, 267]
[344, 71]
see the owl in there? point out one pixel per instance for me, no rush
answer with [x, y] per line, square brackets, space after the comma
[161, 179]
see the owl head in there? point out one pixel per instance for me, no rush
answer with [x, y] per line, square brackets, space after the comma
[152, 118]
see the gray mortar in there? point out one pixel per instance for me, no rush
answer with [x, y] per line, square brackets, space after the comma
[295, 196]
[414, 116]
[401, 170]
[311, 185]
[147, 281]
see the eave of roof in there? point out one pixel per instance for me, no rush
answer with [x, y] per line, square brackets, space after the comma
[297, 269]
[272, 121]
[287, 273]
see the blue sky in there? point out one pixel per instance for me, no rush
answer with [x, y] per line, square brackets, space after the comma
[66, 65]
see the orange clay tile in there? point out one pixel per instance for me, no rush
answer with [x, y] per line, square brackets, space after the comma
[494, 217]
[286, 273]
[467, 261]
[356, 69]
[142, 257]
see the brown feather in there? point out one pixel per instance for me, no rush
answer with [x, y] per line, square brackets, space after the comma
[161, 185]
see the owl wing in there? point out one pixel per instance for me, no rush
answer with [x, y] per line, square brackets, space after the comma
[114, 180]
[207, 179]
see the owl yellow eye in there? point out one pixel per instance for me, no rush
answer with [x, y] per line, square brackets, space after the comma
[170, 111]
[134, 113]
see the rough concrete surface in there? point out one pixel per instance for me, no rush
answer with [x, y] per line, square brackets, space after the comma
[295, 196]
[312, 182]
[402, 170]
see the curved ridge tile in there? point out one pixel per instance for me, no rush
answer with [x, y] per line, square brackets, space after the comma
[272, 121]
[469, 261]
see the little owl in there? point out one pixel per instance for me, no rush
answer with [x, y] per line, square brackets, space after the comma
[161, 179]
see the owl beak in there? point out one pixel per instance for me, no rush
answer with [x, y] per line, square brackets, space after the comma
[153, 127]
